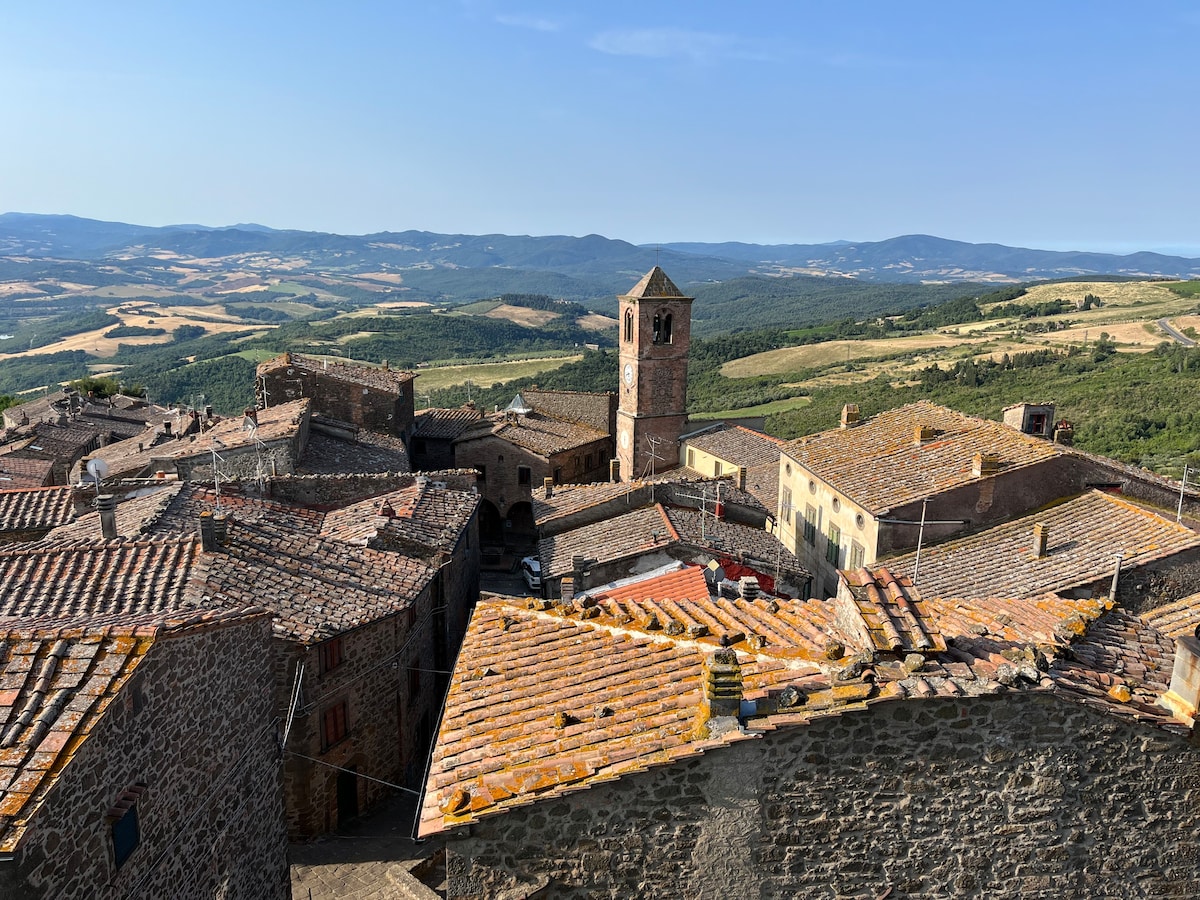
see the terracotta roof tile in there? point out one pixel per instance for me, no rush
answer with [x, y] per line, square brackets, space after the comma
[1177, 619]
[21, 472]
[421, 516]
[136, 515]
[63, 679]
[736, 445]
[444, 424]
[544, 435]
[654, 284]
[35, 510]
[525, 721]
[1085, 535]
[370, 453]
[854, 460]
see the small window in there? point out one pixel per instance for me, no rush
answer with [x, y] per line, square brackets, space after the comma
[590, 462]
[558, 475]
[810, 526]
[330, 654]
[833, 548]
[691, 458]
[523, 475]
[126, 834]
[785, 504]
[812, 486]
[666, 330]
[837, 504]
[628, 325]
[857, 554]
[334, 724]
[657, 328]
[482, 472]
[716, 467]
[859, 520]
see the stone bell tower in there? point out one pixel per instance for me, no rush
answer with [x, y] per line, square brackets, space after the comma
[656, 331]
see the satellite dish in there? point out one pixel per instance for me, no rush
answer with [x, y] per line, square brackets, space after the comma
[97, 468]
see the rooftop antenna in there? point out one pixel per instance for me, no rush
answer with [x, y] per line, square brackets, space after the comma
[214, 446]
[1182, 488]
[654, 454]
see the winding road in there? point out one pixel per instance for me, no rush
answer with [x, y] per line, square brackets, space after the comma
[1166, 326]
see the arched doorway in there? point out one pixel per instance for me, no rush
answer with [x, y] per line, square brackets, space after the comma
[519, 527]
[491, 524]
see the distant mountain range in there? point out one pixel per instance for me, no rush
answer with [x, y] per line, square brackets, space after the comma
[459, 265]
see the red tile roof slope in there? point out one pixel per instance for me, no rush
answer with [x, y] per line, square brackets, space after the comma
[1085, 535]
[547, 699]
[57, 681]
[444, 424]
[736, 445]
[35, 510]
[136, 515]
[1176, 619]
[421, 515]
[629, 534]
[544, 435]
[101, 577]
[878, 465]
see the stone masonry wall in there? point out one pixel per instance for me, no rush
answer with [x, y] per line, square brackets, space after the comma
[1019, 795]
[195, 724]
[389, 711]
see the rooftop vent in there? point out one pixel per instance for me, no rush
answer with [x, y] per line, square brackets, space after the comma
[923, 434]
[849, 415]
[1184, 694]
[722, 684]
[548, 487]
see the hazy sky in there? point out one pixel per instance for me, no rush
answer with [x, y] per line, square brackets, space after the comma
[1055, 123]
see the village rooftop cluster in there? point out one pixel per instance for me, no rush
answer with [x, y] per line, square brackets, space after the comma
[919, 651]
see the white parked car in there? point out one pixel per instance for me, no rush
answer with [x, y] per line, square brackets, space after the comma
[531, 569]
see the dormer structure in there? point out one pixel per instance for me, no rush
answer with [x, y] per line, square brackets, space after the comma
[656, 331]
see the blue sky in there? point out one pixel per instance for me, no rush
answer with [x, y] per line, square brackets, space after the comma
[1048, 124]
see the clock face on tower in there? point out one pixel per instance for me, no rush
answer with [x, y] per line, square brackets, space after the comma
[628, 375]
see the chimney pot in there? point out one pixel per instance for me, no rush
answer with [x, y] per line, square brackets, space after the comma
[568, 589]
[1041, 537]
[741, 478]
[208, 538]
[548, 487]
[984, 464]
[722, 684]
[167, 425]
[107, 504]
[849, 415]
[220, 524]
[923, 434]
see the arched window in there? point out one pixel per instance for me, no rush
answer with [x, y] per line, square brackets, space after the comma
[628, 325]
[657, 328]
[666, 333]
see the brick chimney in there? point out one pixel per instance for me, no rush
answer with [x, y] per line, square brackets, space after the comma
[741, 478]
[107, 504]
[548, 487]
[849, 415]
[167, 425]
[984, 465]
[567, 590]
[923, 434]
[1041, 538]
[220, 526]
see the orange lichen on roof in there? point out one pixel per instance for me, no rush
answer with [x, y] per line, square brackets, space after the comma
[880, 465]
[888, 611]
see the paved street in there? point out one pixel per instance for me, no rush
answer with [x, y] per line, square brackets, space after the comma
[371, 859]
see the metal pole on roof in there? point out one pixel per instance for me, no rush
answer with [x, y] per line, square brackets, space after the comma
[1112, 591]
[1182, 488]
[920, 538]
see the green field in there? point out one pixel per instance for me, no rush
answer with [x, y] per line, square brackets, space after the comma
[436, 378]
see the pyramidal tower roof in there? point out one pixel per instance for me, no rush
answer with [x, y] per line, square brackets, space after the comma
[654, 283]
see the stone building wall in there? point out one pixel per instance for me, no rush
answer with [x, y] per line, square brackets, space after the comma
[195, 725]
[1019, 795]
[389, 411]
[390, 713]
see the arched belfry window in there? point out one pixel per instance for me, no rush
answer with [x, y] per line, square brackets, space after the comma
[662, 328]
[628, 325]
